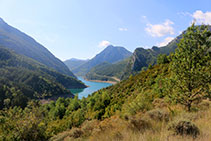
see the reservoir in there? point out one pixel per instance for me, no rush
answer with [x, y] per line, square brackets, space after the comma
[92, 87]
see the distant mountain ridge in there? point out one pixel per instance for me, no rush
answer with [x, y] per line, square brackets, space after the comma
[23, 44]
[140, 58]
[111, 54]
[73, 63]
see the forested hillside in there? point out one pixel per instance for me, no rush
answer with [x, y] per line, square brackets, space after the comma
[23, 79]
[107, 71]
[168, 101]
[111, 54]
[23, 44]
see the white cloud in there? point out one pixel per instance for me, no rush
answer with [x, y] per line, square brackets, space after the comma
[202, 18]
[122, 29]
[159, 30]
[104, 43]
[184, 14]
[165, 42]
[144, 17]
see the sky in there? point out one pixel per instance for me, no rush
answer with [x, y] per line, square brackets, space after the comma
[82, 28]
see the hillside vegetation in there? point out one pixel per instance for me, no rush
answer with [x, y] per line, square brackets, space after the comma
[107, 71]
[141, 59]
[23, 79]
[167, 101]
[111, 54]
[23, 44]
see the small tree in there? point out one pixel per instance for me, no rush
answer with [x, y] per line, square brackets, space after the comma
[162, 59]
[190, 65]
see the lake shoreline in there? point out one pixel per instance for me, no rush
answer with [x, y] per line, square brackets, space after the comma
[111, 82]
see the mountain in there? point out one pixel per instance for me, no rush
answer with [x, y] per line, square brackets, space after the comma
[107, 71]
[23, 44]
[144, 57]
[143, 107]
[23, 78]
[110, 54]
[139, 59]
[74, 63]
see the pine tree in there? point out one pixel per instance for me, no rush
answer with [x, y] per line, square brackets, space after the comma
[191, 66]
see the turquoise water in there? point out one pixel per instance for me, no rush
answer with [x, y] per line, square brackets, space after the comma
[92, 87]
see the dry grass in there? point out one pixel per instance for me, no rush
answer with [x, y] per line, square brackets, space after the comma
[118, 129]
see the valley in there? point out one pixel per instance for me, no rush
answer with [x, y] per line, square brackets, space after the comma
[144, 72]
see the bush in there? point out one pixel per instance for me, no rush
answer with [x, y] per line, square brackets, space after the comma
[158, 115]
[76, 133]
[159, 103]
[139, 124]
[139, 104]
[204, 105]
[88, 126]
[60, 137]
[73, 134]
[184, 127]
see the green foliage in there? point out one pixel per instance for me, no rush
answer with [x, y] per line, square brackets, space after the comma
[107, 71]
[140, 60]
[18, 124]
[190, 66]
[154, 87]
[111, 54]
[140, 103]
[162, 59]
[23, 44]
[23, 79]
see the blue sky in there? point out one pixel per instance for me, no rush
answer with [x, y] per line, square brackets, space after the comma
[83, 28]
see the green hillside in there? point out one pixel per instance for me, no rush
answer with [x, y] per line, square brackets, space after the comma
[141, 58]
[23, 44]
[167, 101]
[107, 71]
[111, 54]
[23, 79]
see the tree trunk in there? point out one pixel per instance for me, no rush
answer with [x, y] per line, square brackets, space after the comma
[189, 107]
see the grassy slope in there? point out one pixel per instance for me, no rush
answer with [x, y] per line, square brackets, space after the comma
[116, 128]
[129, 112]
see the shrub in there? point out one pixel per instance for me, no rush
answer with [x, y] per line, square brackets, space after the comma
[76, 133]
[184, 127]
[159, 103]
[60, 137]
[140, 103]
[88, 126]
[158, 115]
[204, 105]
[139, 124]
